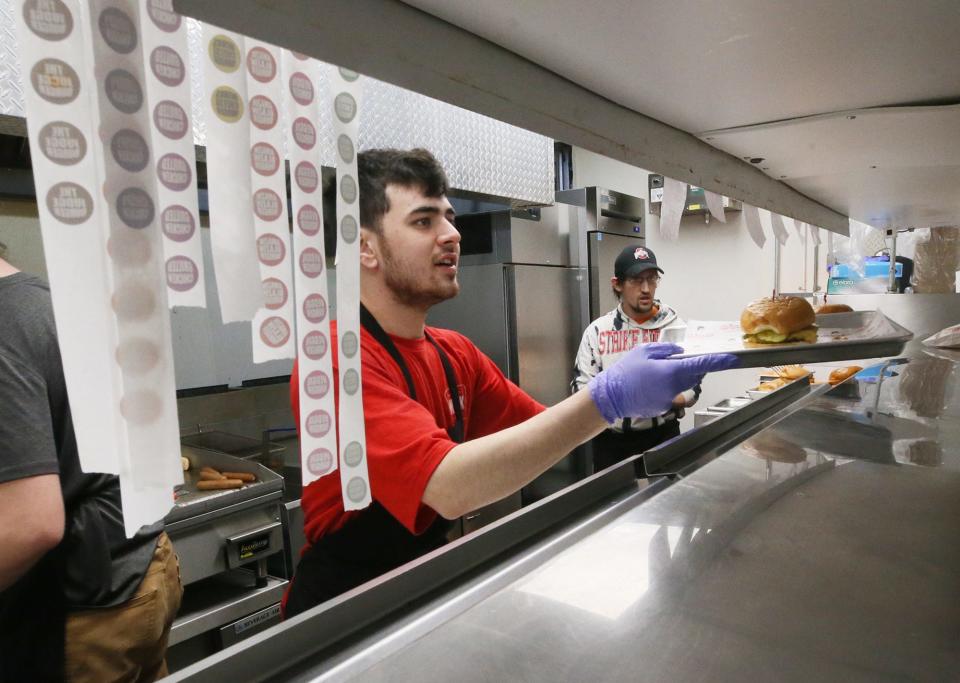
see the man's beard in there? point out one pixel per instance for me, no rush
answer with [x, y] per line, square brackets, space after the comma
[402, 282]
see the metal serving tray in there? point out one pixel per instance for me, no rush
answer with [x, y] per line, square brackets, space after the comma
[842, 336]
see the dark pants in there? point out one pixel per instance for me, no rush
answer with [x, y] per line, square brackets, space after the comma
[610, 447]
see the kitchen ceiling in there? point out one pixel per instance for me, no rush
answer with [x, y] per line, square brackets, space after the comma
[693, 89]
[709, 67]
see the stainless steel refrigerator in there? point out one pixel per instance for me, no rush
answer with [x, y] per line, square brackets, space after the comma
[530, 282]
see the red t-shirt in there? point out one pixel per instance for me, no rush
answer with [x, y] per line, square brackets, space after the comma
[407, 439]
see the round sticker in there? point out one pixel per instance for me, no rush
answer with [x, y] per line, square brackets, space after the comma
[177, 223]
[62, 143]
[304, 134]
[353, 454]
[163, 15]
[314, 345]
[274, 332]
[348, 189]
[320, 462]
[129, 248]
[117, 30]
[316, 384]
[49, 19]
[299, 55]
[55, 81]
[271, 249]
[351, 381]
[345, 107]
[349, 344]
[267, 204]
[130, 150]
[261, 65]
[182, 273]
[227, 104]
[137, 356]
[319, 423]
[306, 176]
[123, 90]
[69, 203]
[308, 220]
[311, 262]
[264, 158]
[301, 89]
[274, 293]
[348, 229]
[263, 112]
[167, 66]
[141, 407]
[135, 208]
[170, 119]
[224, 53]
[134, 302]
[174, 172]
[315, 308]
[345, 148]
[348, 75]
[357, 489]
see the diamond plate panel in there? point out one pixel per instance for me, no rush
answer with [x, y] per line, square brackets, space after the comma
[480, 154]
[11, 94]
[195, 50]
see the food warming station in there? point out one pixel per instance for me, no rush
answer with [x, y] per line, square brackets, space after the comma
[807, 535]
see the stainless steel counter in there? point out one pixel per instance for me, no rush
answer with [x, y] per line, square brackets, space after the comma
[820, 544]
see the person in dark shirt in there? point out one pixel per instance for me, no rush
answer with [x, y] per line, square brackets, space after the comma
[78, 600]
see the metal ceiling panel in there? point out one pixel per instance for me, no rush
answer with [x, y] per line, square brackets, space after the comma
[894, 166]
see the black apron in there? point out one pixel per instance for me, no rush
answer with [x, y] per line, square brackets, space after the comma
[373, 542]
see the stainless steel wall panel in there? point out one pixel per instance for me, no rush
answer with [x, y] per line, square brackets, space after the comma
[547, 330]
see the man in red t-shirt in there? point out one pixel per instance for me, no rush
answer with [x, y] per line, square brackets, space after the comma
[429, 462]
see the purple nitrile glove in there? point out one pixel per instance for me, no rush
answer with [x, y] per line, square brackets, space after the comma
[645, 381]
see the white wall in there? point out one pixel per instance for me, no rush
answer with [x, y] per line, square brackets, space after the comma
[713, 269]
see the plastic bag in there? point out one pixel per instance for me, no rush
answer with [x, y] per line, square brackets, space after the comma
[947, 338]
[936, 261]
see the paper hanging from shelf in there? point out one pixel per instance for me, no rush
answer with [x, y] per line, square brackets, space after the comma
[779, 230]
[272, 336]
[165, 49]
[715, 205]
[232, 236]
[354, 479]
[318, 435]
[751, 216]
[671, 208]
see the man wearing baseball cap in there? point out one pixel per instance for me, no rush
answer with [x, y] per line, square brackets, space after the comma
[640, 318]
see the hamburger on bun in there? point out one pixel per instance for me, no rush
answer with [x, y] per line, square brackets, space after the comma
[778, 320]
[840, 374]
[834, 308]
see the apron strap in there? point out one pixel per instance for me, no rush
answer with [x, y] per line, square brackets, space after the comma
[376, 330]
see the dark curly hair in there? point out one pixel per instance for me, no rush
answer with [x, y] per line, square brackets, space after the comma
[378, 168]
